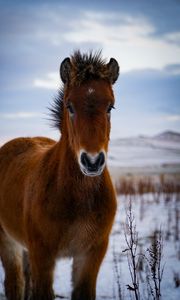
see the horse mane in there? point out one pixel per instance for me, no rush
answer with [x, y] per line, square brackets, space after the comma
[85, 66]
[56, 110]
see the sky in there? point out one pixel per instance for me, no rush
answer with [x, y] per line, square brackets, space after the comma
[143, 36]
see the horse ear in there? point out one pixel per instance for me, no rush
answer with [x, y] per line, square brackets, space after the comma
[113, 68]
[65, 70]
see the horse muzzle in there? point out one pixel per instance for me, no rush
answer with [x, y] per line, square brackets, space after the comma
[92, 164]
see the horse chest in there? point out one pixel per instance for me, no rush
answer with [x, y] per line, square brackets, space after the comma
[80, 237]
[87, 223]
[84, 234]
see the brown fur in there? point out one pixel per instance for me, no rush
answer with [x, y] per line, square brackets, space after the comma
[50, 208]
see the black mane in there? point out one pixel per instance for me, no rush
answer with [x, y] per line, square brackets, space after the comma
[56, 110]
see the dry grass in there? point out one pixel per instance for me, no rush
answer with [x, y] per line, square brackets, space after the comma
[133, 185]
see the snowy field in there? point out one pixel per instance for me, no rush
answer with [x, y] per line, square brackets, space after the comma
[151, 213]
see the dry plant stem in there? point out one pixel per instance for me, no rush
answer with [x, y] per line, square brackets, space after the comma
[131, 237]
[154, 260]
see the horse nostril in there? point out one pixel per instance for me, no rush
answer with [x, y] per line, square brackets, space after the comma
[84, 159]
[100, 160]
[92, 163]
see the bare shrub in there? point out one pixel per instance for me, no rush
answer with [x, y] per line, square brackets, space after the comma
[154, 265]
[143, 266]
[131, 237]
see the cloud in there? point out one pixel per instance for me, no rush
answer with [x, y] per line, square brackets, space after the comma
[171, 118]
[173, 37]
[129, 32]
[130, 39]
[51, 81]
[20, 115]
[173, 69]
[107, 28]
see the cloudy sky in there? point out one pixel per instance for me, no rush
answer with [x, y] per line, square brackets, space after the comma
[144, 36]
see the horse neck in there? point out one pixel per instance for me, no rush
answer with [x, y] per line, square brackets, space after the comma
[67, 160]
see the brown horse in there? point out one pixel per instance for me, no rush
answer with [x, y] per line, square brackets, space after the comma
[56, 198]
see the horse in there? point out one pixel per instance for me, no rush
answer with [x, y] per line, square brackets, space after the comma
[57, 199]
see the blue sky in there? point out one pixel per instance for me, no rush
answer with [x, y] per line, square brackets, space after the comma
[144, 36]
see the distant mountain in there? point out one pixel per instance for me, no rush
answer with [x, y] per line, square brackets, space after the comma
[145, 151]
[168, 136]
[164, 137]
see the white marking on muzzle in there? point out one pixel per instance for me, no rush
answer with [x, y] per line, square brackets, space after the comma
[92, 157]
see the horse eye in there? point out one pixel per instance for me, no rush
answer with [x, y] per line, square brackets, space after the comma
[111, 106]
[70, 109]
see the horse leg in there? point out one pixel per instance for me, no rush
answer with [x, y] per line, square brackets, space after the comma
[42, 267]
[11, 257]
[27, 276]
[85, 270]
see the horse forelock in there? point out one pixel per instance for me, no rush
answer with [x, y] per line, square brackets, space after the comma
[87, 66]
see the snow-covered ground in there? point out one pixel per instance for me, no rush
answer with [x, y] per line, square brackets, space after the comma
[150, 214]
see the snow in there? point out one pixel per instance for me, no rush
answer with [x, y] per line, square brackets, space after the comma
[155, 215]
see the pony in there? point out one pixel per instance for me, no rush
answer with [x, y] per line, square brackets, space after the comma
[57, 198]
